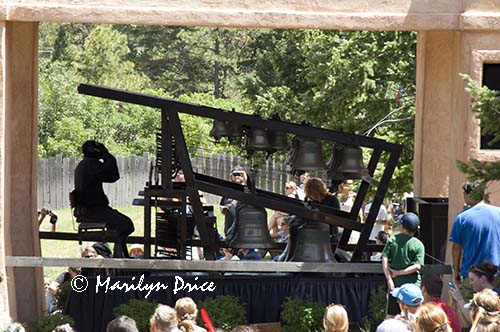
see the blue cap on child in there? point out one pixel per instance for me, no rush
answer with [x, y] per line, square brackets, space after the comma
[409, 294]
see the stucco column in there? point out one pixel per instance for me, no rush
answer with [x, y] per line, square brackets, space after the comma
[19, 112]
[4, 302]
[438, 55]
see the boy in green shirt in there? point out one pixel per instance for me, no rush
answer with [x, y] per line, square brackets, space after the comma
[402, 258]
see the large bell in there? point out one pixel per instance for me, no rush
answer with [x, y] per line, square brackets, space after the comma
[308, 155]
[278, 140]
[257, 140]
[250, 228]
[310, 243]
[219, 129]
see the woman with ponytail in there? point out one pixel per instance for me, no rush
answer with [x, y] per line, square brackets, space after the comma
[484, 312]
[188, 311]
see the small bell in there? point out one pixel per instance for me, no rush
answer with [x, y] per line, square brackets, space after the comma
[347, 163]
[309, 155]
[219, 129]
[278, 140]
[257, 140]
[235, 130]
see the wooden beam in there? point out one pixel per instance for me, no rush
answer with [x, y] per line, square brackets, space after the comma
[226, 266]
[298, 14]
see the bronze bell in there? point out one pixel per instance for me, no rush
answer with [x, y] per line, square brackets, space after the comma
[257, 140]
[251, 230]
[235, 130]
[219, 129]
[348, 164]
[310, 243]
[278, 140]
[334, 163]
[309, 155]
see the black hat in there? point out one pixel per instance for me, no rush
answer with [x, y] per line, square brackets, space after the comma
[90, 149]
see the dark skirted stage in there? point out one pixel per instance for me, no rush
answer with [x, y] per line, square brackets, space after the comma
[263, 295]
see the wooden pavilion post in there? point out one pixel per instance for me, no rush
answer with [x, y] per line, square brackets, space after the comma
[22, 289]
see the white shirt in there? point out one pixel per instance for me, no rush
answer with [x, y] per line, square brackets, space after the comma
[381, 216]
[347, 205]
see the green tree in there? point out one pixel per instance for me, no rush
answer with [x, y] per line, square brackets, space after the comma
[359, 82]
[196, 129]
[485, 104]
[192, 60]
[102, 60]
[356, 82]
[67, 118]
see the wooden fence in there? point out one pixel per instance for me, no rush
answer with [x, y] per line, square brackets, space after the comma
[56, 177]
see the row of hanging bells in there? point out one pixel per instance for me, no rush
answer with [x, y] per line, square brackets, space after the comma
[306, 155]
[346, 161]
[225, 129]
[256, 139]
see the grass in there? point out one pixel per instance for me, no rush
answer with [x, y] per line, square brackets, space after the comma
[71, 249]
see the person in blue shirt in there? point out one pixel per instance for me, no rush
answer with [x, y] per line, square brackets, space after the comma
[475, 236]
[250, 254]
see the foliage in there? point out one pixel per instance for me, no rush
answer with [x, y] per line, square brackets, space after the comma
[49, 322]
[376, 310]
[357, 82]
[187, 60]
[225, 311]
[485, 104]
[139, 310]
[62, 294]
[360, 82]
[302, 315]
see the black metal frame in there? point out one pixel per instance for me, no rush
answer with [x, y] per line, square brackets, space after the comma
[172, 132]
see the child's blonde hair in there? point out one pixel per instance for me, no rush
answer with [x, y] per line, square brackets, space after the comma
[165, 319]
[335, 319]
[186, 309]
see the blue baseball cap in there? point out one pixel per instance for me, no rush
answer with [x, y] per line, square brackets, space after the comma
[409, 294]
[409, 220]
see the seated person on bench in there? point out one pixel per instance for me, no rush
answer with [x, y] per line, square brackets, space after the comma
[92, 205]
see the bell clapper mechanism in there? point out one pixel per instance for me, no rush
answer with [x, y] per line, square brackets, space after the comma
[266, 135]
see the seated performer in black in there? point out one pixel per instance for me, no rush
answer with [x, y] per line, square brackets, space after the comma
[99, 166]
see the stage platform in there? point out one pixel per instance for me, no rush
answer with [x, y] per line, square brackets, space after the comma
[263, 294]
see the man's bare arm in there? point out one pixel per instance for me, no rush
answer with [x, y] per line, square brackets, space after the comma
[456, 259]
